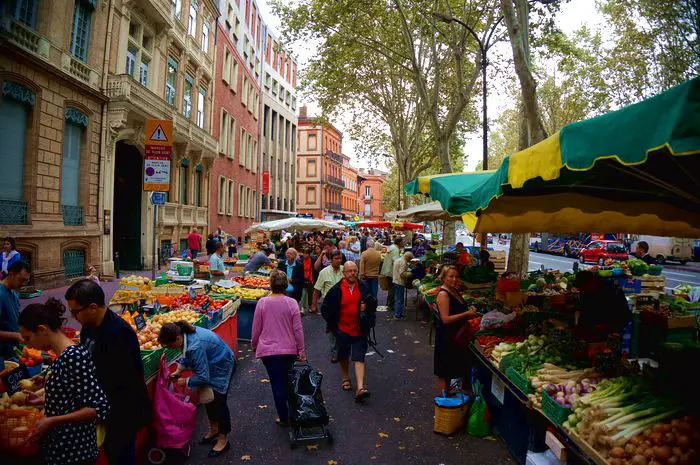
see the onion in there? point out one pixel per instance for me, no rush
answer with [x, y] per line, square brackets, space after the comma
[637, 440]
[646, 432]
[672, 461]
[662, 453]
[654, 462]
[665, 428]
[639, 460]
[684, 460]
[656, 438]
[649, 453]
[677, 451]
[657, 427]
[683, 441]
[618, 452]
[616, 462]
[630, 449]
[669, 439]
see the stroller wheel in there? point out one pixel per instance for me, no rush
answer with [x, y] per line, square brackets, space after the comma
[292, 441]
[329, 437]
[156, 456]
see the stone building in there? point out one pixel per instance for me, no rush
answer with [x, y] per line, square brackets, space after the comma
[160, 66]
[51, 126]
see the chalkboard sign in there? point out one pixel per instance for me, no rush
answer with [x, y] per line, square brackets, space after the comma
[12, 379]
[156, 306]
[193, 294]
[140, 322]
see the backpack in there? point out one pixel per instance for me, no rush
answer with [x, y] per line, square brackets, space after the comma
[368, 318]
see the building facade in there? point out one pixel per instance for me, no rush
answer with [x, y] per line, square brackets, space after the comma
[278, 140]
[236, 174]
[351, 190]
[51, 125]
[320, 179]
[371, 192]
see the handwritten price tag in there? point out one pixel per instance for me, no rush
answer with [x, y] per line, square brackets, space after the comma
[140, 322]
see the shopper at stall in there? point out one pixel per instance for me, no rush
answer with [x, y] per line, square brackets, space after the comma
[73, 400]
[370, 261]
[294, 270]
[258, 259]
[278, 339]
[194, 243]
[450, 360]
[9, 255]
[17, 277]
[342, 309]
[464, 258]
[484, 260]
[418, 247]
[400, 267]
[393, 253]
[354, 250]
[232, 244]
[115, 350]
[642, 252]
[210, 244]
[216, 262]
[307, 293]
[213, 364]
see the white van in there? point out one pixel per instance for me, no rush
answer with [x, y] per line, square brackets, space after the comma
[668, 248]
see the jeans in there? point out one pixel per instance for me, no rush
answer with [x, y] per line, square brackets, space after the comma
[120, 450]
[194, 253]
[398, 300]
[217, 410]
[373, 285]
[332, 343]
[278, 368]
[232, 251]
[304, 303]
[390, 295]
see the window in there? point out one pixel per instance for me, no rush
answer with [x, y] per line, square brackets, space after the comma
[251, 203]
[81, 29]
[223, 133]
[368, 191]
[221, 204]
[200, 107]
[311, 195]
[244, 97]
[312, 142]
[130, 61]
[234, 33]
[70, 166]
[192, 20]
[25, 12]
[171, 82]
[244, 148]
[255, 155]
[251, 96]
[229, 198]
[197, 185]
[143, 73]
[368, 210]
[205, 36]
[187, 98]
[241, 203]
[234, 75]
[183, 182]
[227, 66]
[177, 8]
[232, 139]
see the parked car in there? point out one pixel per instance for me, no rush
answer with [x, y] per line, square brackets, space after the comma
[599, 251]
[668, 248]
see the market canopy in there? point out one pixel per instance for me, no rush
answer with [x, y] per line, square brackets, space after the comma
[290, 224]
[633, 170]
[398, 225]
[431, 211]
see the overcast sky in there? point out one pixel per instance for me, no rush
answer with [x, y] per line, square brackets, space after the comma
[574, 14]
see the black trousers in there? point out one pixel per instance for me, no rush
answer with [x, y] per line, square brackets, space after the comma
[217, 410]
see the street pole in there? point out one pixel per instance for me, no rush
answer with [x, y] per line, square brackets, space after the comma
[484, 128]
[153, 264]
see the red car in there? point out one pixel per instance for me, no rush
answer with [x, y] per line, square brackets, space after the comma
[599, 251]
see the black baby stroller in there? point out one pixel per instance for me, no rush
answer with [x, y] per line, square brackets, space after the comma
[308, 418]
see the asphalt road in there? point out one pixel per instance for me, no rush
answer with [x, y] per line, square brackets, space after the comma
[675, 274]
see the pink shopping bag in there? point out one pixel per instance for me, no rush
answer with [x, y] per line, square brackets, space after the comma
[175, 418]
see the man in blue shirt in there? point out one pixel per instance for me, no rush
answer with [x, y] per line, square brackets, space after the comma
[257, 260]
[17, 277]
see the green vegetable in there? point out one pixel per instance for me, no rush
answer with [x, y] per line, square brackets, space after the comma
[637, 267]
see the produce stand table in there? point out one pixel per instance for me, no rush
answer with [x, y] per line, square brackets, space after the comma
[245, 319]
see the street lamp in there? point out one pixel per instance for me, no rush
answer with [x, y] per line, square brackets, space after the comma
[483, 48]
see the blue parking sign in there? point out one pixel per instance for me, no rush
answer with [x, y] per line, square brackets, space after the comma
[158, 198]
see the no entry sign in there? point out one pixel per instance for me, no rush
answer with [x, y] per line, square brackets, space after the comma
[159, 144]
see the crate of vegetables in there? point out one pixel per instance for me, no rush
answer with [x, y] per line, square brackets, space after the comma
[557, 411]
[151, 361]
[520, 381]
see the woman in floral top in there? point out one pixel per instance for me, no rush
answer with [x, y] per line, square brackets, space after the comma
[74, 400]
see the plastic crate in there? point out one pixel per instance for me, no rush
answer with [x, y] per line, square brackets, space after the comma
[202, 322]
[151, 361]
[520, 381]
[172, 354]
[553, 410]
[629, 286]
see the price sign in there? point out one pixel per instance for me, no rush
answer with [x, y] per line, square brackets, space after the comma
[140, 322]
[206, 305]
[193, 294]
[12, 379]
[156, 306]
[498, 388]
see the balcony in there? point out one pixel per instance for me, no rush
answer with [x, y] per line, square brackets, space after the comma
[334, 156]
[124, 88]
[13, 212]
[80, 70]
[26, 38]
[335, 207]
[335, 181]
[193, 134]
[72, 216]
[368, 197]
[175, 214]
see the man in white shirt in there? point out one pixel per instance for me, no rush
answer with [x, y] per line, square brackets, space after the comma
[400, 266]
[392, 254]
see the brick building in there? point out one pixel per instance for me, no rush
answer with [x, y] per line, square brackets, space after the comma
[51, 122]
[371, 192]
[320, 177]
[235, 187]
[351, 189]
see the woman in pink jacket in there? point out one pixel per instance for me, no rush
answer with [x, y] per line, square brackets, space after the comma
[278, 339]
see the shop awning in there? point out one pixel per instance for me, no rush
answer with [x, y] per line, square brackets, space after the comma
[431, 211]
[628, 171]
[291, 224]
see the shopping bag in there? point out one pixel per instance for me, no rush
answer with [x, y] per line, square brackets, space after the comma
[478, 419]
[174, 416]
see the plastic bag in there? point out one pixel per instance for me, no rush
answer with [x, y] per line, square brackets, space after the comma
[175, 418]
[496, 319]
[306, 407]
[478, 418]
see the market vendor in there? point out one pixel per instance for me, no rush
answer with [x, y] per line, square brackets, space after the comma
[464, 258]
[258, 259]
[216, 262]
[484, 260]
[213, 364]
[642, 252]
[17, 277]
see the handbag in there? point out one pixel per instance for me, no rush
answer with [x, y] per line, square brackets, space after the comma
[463, 336]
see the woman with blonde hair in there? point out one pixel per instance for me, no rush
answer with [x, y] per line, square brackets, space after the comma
[450, 359]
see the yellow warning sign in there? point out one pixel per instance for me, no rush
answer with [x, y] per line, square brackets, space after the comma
[159, 132]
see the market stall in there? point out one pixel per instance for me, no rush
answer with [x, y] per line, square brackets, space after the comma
[291, 224]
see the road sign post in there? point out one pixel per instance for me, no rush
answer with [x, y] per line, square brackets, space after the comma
[156, 170]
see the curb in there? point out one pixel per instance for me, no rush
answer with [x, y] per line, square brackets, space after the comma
[686, 268]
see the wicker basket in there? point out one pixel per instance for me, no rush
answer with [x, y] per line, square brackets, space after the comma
[16, 425]
[449, 420]
[384, 283]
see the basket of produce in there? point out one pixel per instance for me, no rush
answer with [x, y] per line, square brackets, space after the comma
[556, 410]
[637, 267]
[655, 270]
[151, 361]
[450, 413]
[172, 354]
[253, 281]
[520, 381]
[16, 425]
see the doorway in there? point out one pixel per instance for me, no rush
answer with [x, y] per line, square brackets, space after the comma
[128, 188]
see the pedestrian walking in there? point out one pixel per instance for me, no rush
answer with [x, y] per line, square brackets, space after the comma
[309, 280]
[194, 243]
[9, 255]
[450, 360]
[393, 253]
[112, 343]
[294, 270]
[343, 310]
[278, 339]
[400, 267]
[232, 244]
[327, 278]
[370, 261]
[74, 400]
[17, 277]
[210, 245]
[213, 364]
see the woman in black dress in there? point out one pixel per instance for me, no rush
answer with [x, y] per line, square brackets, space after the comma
[74, 400]
[450, 360]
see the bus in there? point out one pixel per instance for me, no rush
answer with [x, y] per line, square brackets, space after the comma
[569, 245]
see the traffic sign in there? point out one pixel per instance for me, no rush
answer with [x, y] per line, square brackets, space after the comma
[158, 198]
[158, 146]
